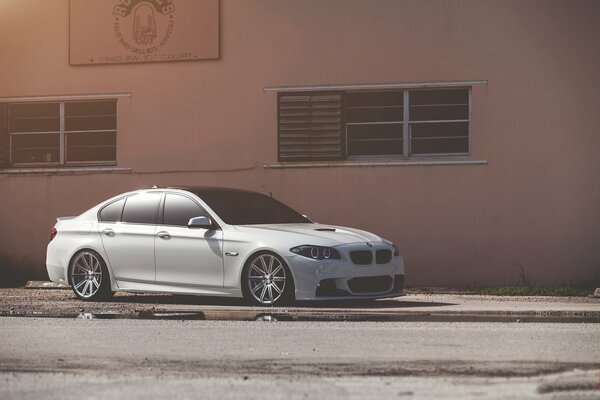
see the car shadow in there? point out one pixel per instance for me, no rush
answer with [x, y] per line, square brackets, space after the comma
[238, 302]
[388, 303]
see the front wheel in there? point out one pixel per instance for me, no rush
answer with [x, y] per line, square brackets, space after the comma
[89, 277]
[267, 280]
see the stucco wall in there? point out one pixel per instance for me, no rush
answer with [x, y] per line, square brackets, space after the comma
[536, 203]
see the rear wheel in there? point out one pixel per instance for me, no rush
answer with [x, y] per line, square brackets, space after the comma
[89, 277]
[267, 280]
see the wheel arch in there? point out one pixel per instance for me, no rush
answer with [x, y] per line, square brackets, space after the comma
[251, 255]
[101, 253]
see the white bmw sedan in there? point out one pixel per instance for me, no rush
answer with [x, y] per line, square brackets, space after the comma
[218, 242]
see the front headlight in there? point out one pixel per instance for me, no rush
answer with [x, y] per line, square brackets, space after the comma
[316, 252]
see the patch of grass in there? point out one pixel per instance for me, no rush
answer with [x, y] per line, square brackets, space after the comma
[527, 288]
[538, 290]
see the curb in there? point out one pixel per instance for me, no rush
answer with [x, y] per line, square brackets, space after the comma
[45, 285]
[342, 315]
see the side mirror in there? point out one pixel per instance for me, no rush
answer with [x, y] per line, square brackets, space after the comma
[200, 222]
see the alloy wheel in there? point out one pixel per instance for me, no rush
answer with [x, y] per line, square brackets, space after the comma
[86, 274]
[266, 279]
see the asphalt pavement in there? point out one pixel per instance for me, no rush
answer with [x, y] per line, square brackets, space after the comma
[77, 358]
[419, 346]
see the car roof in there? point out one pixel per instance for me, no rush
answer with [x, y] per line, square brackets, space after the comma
[200, 190]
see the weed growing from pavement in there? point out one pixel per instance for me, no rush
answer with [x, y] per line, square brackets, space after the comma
[537, 290]
[523, 287]
[527, 288]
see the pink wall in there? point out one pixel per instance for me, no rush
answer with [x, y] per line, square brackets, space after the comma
[536, 202]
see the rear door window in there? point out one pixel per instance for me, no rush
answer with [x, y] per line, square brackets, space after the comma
[141, 209]
[180, 209]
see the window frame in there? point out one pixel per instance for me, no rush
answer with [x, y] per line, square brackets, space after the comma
[406, 126]
[62, 133]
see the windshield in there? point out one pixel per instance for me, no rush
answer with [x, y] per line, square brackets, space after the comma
[246, 208]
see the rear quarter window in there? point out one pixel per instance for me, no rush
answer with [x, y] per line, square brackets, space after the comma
[112, 212]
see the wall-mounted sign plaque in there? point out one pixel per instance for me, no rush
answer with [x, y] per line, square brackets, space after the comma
[129, 31]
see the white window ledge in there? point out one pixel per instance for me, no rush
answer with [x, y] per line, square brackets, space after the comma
[63, 170]
[372, 86]
[341, 164]
[64, 97]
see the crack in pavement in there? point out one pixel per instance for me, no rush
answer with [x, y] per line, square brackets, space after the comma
[295, 368]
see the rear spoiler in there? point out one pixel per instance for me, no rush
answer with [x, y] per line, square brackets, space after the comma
[64, 218]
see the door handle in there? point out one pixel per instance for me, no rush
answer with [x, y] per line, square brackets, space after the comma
[109, 232]
[163, 235]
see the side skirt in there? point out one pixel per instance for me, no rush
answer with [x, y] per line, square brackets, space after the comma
[150, 287]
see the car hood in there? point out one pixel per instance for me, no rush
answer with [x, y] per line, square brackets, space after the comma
[317, 234]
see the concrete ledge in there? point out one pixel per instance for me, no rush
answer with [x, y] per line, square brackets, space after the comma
[45, 285]
[346, 164]
[337, 315]
[62, 170]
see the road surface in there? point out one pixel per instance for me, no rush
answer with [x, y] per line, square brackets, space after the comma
[140, 359]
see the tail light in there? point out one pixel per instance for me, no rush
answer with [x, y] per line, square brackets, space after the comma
[53, 233]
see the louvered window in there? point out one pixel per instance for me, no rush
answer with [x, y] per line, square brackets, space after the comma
[383, 123]
[58, 133]
[310, 126]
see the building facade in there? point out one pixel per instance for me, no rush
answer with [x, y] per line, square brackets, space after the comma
[464, 131]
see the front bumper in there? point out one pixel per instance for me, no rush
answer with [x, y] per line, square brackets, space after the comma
[329, 289]
[342, 279]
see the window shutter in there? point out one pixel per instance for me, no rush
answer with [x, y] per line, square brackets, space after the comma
[310, 126]
[3, 137]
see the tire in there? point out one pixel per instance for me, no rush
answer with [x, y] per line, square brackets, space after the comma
[267, 280]
[89, 276]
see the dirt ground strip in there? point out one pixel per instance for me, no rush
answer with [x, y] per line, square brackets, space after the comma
[62, 302]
